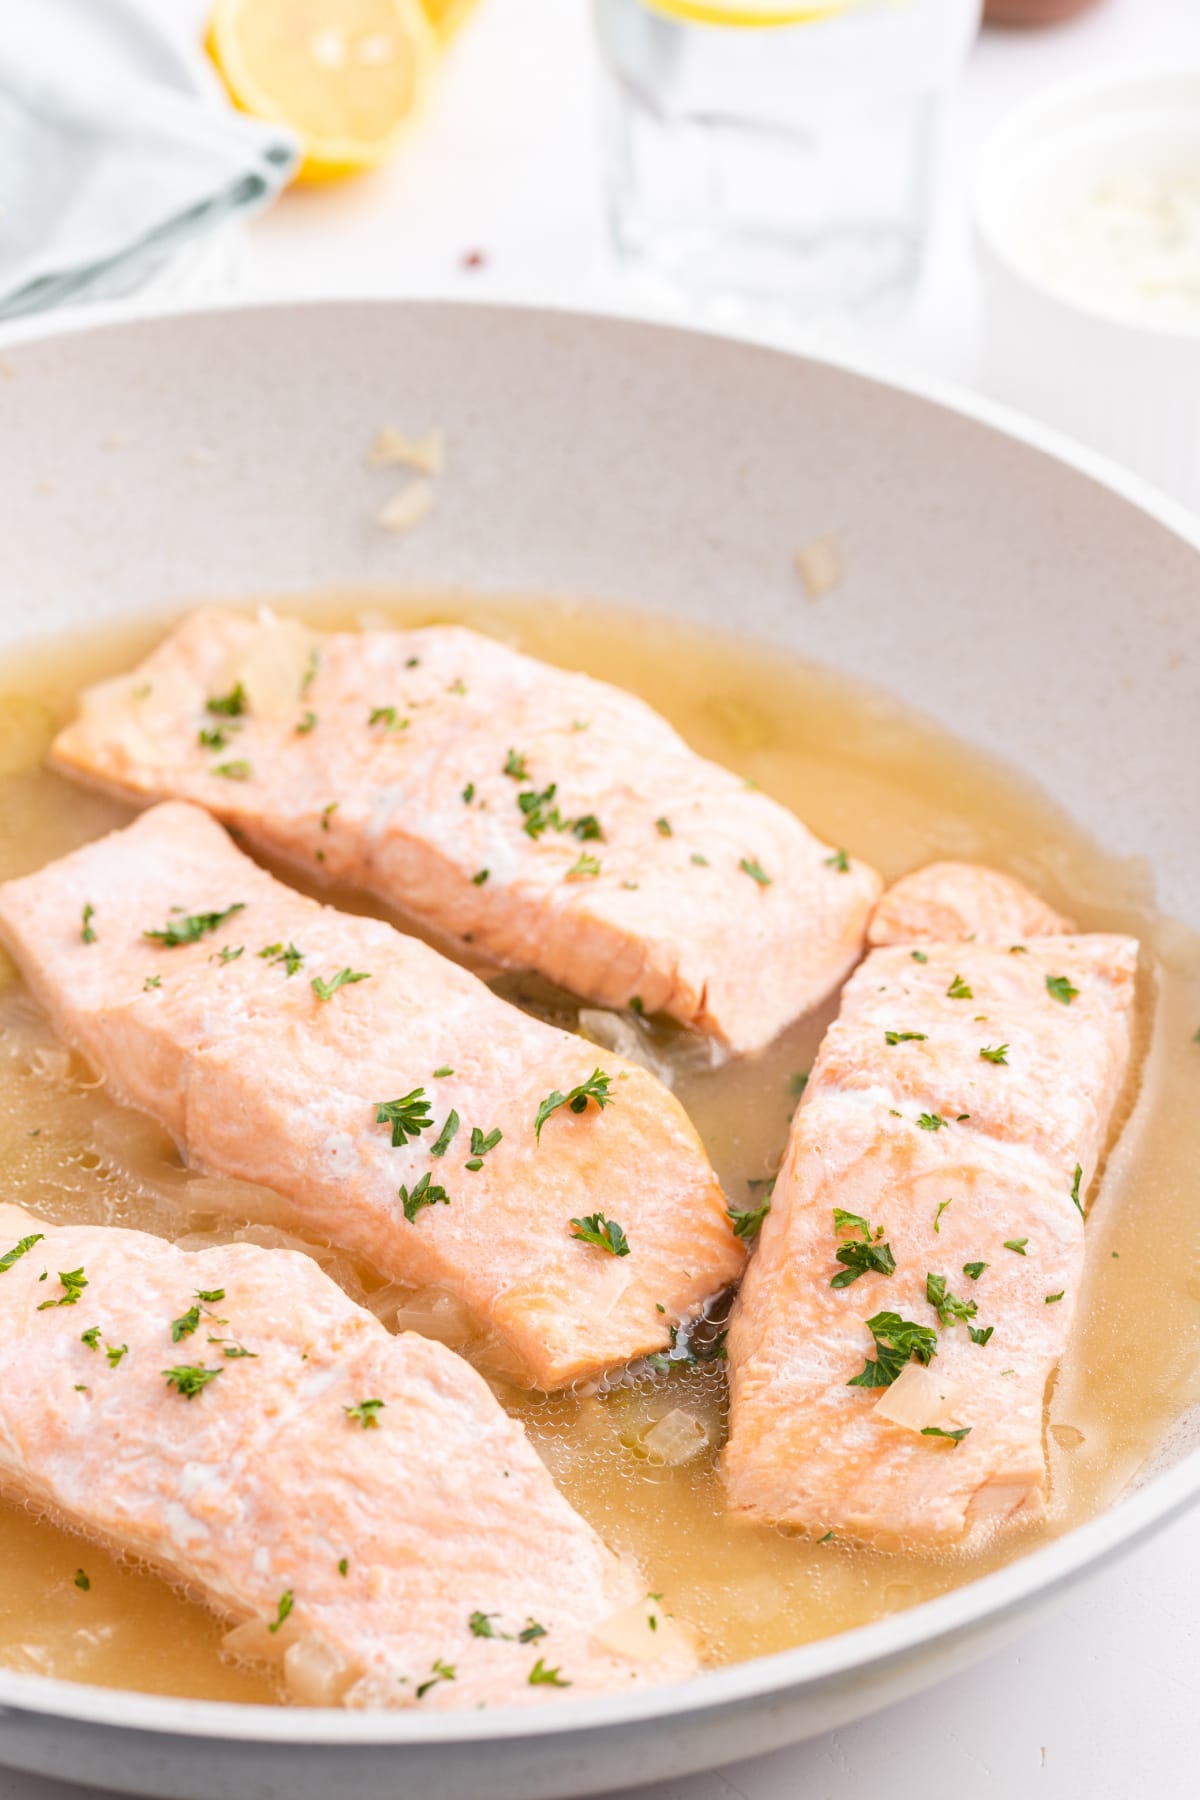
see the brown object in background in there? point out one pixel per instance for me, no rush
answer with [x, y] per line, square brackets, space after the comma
[1032, 12]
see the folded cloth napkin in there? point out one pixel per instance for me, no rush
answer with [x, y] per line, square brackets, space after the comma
[105, 171]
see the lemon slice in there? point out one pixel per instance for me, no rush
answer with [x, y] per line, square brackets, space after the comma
[348, 76]
[749, 13]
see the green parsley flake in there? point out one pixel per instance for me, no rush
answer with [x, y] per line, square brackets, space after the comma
[700, 861]
[189, 928]
[602, 1233]
[958, 990]
[446, 1135]
[425, 1193]
[388, 718]
[1060, 989]
[663, 828]
[185, 1325]
[864, 1254]
[114, 1353]
[754, 869]
[937, 1217]
[953, 1437]
[949, 1308]
[443, 1071]
[904, 1037]
[210, 1296]
[74, 1281]
[287, 954]
[594, 1088]
[541, 1676]
[930, 1121]
[286, 1601]
[189, 1380]
[997, 1055]
[1075, 1189]
[306, 724]
[515, 766]
[479, 877]
[1051, 1298]
[327, 812]
[442, 1671]
[343, 1565]
[468, 793]
[974, 1269]
[82, 1581]
[588, 828]
[839, 861]
[239, 770]
[480, 1624]
[587, 866]
[151, 981]
[212, 737]
[897, 1342]
[366, 1412]
[87, 934]
[1017, 1245]
[747, 1222]
[91, 1337]
[230, 705]
[229, 953]
[325, 990]
[918, 956]
[979, 1334]
[407, 1117]
[21, 1248]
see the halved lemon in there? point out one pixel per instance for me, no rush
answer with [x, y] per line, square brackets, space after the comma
[348, 76]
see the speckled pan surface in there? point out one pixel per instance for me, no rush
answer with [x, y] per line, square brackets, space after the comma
[1012, 593]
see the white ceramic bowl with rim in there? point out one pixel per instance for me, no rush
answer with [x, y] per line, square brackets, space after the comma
[147, 464]
[1122, 380]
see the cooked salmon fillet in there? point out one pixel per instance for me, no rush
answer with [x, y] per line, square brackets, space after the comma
[551, 821]
[953, 902]
[231, 1416]
[968, 1171]
[386, 1092]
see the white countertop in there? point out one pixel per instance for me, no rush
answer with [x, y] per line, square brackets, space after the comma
[1102, 1700]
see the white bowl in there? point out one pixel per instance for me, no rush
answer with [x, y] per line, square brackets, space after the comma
[1128, 385]
[146, 464]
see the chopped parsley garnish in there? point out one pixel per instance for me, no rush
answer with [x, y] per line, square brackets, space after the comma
[81, 1580]
[864, 1254]
[481, 1143]
[839, 861]
[663, 828]
[974, 1270]
[637, 1005]
[479, 877]
[931, 1121]
[327, 812]
[189, 1380]
[584, 867]
[238, 770]
[979, 1334]
[425, 1193]
[343, 1565]
[1016, 1244]
[287, 954]
[747, 1222]
[91, 1337]
[468, 793]
[229, 953]
[594, 1088]
[953, 1437]
[310, 673]
[442, 1671]
[74, 1281]
[306, 724]
[1059, 987]
[408, 1117]
[115, 1352]
[540, 811]
[387, 717]
[958, 990]
[481, 1624]
[541, 1676]
[997, 1055]
[918, 956]
[236, 1351]
[185, 1324]
[516, 767]
[700, 861]
[904, 1037]
[949, 1308]
[210, 1296]
[212, 737]
[798, 1082]
[937, 1217]
[189, 928]
[444, 1070]
[1051, 1298]
[827, 1539]
[897, 1341]
[1075, 1189]
[445, 1136]
[325, 990]
[86, 933]
[21, 1248]
[587, 827]
[754, 869]
[604, 1234]
[151, 981]
[530, 1632]
[230, 705]
[366, 1412]
[286, 1602]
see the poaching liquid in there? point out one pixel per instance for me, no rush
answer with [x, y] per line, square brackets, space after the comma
[863, 772]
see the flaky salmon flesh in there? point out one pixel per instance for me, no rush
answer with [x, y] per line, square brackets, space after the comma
[551, 821]
[403, 1110]
[953, 903]
[916, 1279]
[358, 1505]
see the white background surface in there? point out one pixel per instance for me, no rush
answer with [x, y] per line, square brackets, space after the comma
[1101, 1701]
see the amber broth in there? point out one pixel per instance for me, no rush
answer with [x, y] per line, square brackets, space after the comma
[864, 772]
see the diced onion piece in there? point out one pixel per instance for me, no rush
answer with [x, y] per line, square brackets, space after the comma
[428, 1313]
[630, 1633]
[409, 508]
[273, 668]
[253, 1641]
[675, 1438]
[819, 566]
[426, 454]
[316, 1673]
[919, 1396]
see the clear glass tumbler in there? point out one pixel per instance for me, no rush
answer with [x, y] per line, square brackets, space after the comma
[777, 152]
